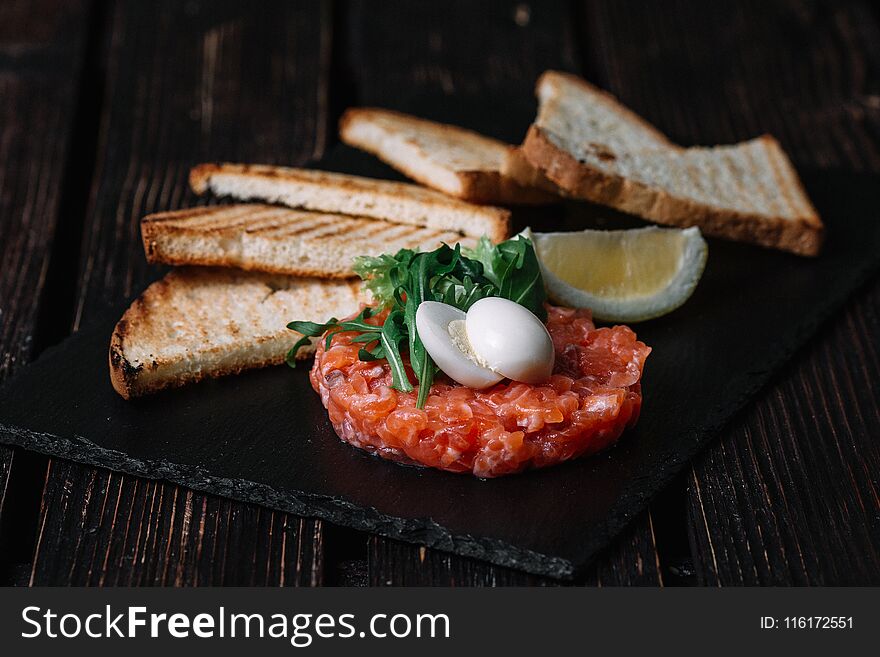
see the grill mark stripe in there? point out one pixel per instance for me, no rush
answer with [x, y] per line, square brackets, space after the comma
[329, 235]
[351, 228]
[305, 229]
[279, 223]
[287, 223]
[312, 223]
[242, 222]
[383, 229]
[273, 221]
[203, 218]
[227, 218]
[370, 228]
[177, 215]
[408, 231]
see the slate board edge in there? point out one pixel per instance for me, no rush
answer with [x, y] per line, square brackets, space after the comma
[421, 531]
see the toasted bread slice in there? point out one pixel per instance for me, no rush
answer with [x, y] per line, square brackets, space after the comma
[279, 240]
[453, 160]
[200, 322]
[594, 148]
[324, 191]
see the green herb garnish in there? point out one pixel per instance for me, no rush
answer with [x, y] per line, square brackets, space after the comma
[513, 267]
[400, 282]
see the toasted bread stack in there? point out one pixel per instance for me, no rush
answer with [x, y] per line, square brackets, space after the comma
[247, 269]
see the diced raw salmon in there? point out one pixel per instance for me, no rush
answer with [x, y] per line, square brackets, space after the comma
[593, 395]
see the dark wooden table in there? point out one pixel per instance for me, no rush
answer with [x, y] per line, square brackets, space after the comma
[104, 106]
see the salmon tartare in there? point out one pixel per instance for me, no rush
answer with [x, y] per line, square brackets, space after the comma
[591, 397]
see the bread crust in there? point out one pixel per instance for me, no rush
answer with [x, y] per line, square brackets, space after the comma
[200, 175]
[122, 374]
[483, 186]
[496, 219]
[803, 235]
[487, 187]
[125, 381]
[159, 257]
[129, 386]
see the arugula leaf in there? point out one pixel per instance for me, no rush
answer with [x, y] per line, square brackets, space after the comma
[290, 358]
[512, 266]
[421, 362]
[484, 253]
[312, 329]
[368, 356]
[309, 330]
[331, 326]
[462, 294]
[400, 282]
[372, 336]
[383, 274]
[422, 269]
[391, 336]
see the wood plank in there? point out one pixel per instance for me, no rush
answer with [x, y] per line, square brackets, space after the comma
[631, 561]
[41, 56]
[186, 82]
[473, 50]
[466, 49]
[789, 495]
[107, 529]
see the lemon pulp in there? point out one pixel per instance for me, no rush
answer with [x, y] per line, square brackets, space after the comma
[622, 275]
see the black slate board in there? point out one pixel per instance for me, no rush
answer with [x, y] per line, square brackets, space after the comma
[263, 436]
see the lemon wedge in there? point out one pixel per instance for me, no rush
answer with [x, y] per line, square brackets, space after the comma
[621, 275]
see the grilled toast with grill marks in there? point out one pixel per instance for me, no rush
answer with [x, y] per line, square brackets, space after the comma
[201, 322]
[279, 240]
[323, 191]
[450, 159]
[594, 148]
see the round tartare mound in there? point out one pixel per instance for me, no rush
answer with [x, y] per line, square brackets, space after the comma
[592, 396]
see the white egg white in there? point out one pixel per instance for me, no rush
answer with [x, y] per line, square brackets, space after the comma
[496, 339]
[450, 348]
[510, 340]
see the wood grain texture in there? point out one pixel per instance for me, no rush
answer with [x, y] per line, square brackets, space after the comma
[41, 52]
[186, 82]
[631, 561]
[789, 495]
[706, 74]
[7, 456]
[481, 48]
[484, 50]
[108, 529]
[39, 68]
